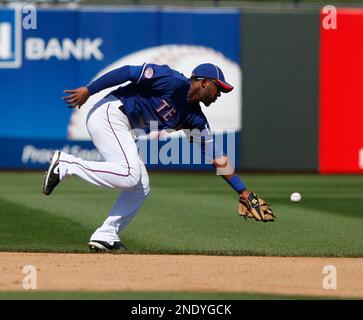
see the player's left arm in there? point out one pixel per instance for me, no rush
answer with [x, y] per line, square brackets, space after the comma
[250, 205]
[224, 166]
[215, 155]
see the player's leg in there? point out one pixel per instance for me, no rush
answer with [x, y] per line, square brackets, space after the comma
[110, 132]
[122, 212]
[123, 169]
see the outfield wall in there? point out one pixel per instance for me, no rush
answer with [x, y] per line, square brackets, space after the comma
[341, 94]
[69, 48]
[296, 105]
[280, 91]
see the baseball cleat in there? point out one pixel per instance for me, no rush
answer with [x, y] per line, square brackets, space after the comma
[97, 246]
[51, 178]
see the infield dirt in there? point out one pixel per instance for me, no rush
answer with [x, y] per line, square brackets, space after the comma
[124, 272]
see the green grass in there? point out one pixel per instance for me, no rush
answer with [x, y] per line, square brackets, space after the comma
[190, 214]
[79, 295]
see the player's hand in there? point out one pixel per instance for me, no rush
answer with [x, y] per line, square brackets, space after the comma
[76, 97]
[244, 195]
[255, 208]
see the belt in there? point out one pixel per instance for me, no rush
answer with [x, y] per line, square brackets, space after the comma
[114, 98]
[122, 109]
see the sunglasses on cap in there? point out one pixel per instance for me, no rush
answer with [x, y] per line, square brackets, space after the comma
[212, 80]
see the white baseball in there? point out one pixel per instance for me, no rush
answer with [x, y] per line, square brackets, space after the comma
[295, 197]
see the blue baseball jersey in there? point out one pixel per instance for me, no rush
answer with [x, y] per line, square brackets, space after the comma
[156, 93]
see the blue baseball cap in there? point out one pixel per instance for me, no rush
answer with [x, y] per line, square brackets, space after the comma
[211, 71]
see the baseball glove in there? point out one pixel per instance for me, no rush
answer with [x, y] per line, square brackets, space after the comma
[255, 208]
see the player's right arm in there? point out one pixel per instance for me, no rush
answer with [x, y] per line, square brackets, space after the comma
[77, 97]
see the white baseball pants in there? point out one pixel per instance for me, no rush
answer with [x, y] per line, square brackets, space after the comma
[122, 169]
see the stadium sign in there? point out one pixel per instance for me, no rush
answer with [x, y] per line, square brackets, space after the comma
[38, 48]
[64, 49]
[10, 39]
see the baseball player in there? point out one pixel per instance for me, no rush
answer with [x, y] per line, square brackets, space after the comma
[155, 93]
